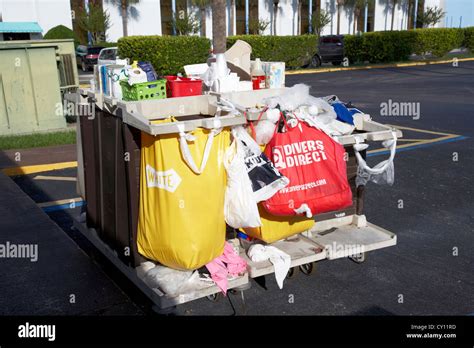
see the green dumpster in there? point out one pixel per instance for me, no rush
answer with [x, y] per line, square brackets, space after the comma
[30, 86]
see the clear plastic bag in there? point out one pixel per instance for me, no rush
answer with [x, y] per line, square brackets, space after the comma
[297, 96]
[170, 281]
[381, 173]
[386, 177]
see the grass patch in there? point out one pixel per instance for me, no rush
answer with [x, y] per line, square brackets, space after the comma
[37, 140]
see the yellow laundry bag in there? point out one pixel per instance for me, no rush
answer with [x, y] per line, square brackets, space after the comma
[278, 227]
[181, 216]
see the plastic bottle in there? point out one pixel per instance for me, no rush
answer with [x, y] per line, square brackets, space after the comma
[258, 75]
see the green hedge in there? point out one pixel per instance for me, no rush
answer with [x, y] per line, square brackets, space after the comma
[391, 46]
[438, 41]
[469, 38]
[61, 32]
[168, 54]
[378, 47]
[106, 44]
[295, 51]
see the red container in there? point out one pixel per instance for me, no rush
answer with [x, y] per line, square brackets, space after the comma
[182, 86]
[258, 82]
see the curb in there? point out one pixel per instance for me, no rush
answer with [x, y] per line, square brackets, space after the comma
[367, 67]
[12, 171]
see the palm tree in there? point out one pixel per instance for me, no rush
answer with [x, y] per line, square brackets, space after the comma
[127, 9]
[340, 4]
[394, 4]
[358, 6]
[275, 14]
[218, 26]
[202, 5]
[299, 5]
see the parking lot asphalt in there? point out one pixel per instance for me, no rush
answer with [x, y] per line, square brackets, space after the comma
[430, 208]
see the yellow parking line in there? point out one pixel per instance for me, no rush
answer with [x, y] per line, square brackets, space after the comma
[420, 130]
[58, 178]
[367, 67]
[427, 141]
[23, 170]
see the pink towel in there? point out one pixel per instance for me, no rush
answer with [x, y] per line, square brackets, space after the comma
[228, 263]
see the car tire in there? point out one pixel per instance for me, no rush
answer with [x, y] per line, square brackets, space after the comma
[84, 66]
[337, 63]
[315, 62]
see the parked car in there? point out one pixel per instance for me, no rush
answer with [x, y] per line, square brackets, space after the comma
[108, 56]
[87, 56]
[330, 50]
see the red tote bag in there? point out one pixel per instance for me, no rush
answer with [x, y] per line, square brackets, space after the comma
[314, 163]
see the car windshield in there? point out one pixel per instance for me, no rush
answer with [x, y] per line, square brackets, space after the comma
[332, 40]
[94, 50]
[108, 54]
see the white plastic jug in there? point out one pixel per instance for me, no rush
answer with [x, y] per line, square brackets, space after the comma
[115, 73]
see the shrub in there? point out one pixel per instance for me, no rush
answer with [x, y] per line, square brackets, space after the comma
[168, 54]
[438, 41]
[390, 46]
[379, 47]
[61, 32]
[106, 44]
[469, 38]
[295, 51]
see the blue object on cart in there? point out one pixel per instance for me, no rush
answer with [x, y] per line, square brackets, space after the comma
[242, 235]
[354, 111]
[147, 67]
[343, 114]
[103, 76]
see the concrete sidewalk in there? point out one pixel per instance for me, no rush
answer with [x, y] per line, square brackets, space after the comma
[63, 280]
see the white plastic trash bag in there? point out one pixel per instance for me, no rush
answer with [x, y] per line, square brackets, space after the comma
[171, 281]
[240, 207]
[383, 172]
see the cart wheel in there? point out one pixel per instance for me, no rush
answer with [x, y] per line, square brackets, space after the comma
[307, 268]
[214, 297]
[291, 273]
[164, 311]
[358, 258]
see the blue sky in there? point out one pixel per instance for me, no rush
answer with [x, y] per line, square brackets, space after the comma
[457, 8]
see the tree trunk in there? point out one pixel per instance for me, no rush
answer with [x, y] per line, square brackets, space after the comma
[232, 17]
[218, 26]
[338, 19]
[203, 21]
[275, 12]
[393, 14]
[300, 4]
[354, 24]
[124, 18]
